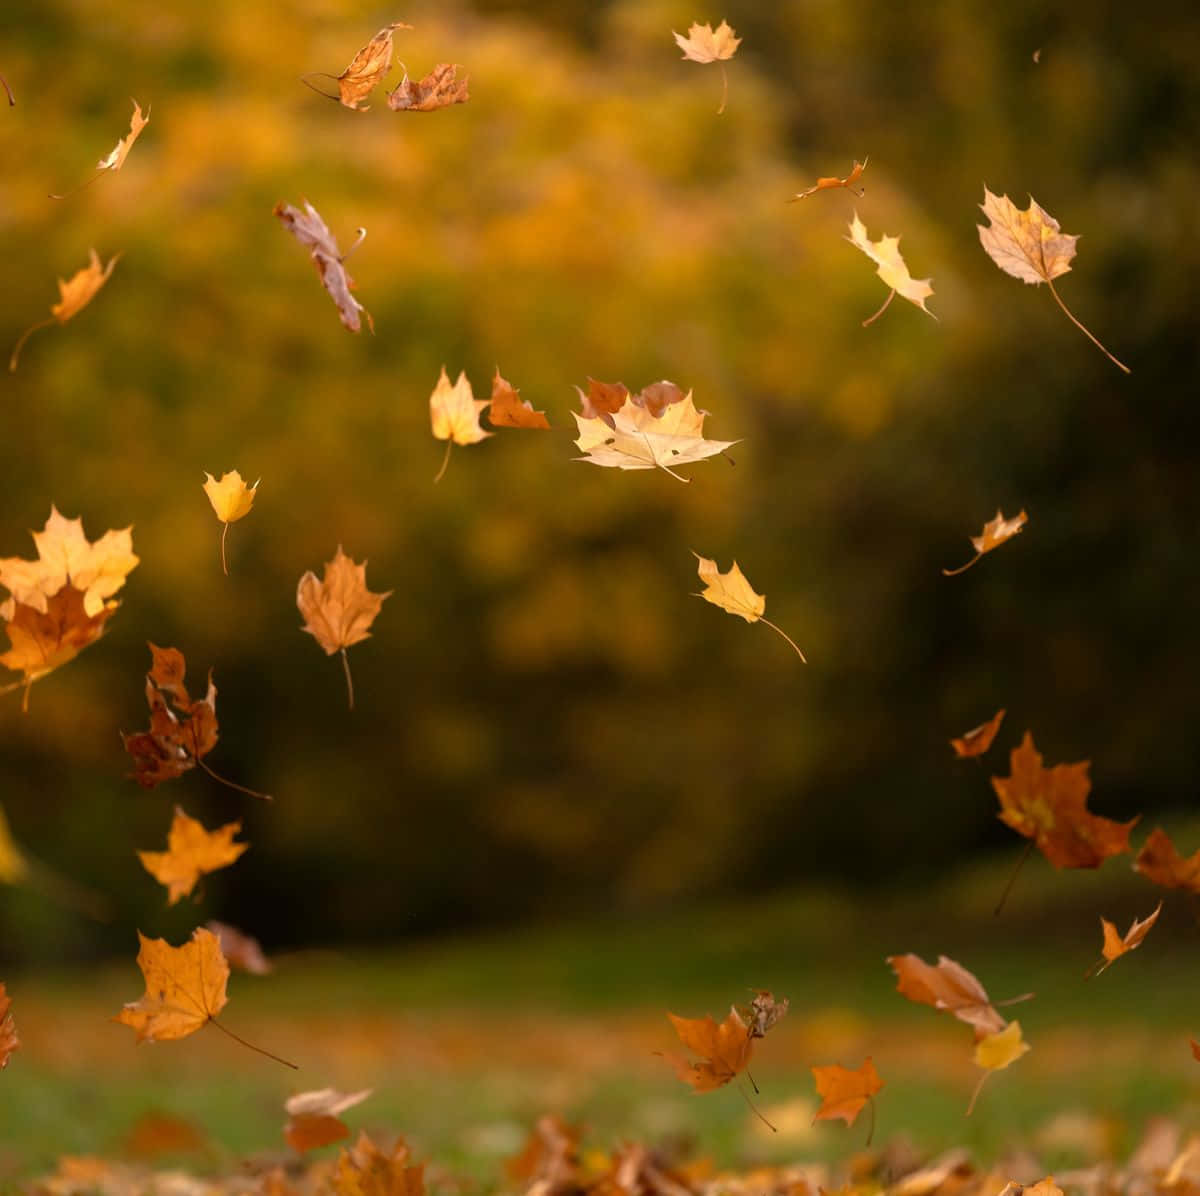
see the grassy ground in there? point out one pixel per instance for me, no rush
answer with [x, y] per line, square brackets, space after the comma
[467, 1042]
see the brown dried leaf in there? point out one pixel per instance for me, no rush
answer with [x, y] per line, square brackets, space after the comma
[995, 532]
[309, 229]
[314, 1117]
[549, 1160]
[1161, 863]
[368, 67]
[828, 183]
[762, 1013]
[507, 410]
[844, 1092]
[947, 986]
[977, 741]
[439, 89]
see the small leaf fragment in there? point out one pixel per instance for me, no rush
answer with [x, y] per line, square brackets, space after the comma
[996, 531]
[507, 410]
[314, 1117]
[977, 741]
[1160, 862]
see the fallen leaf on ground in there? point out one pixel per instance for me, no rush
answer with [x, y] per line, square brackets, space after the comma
[1160, 862]
[1031, 246]
[828, 183]
[732, 592]
[314, 1117]
[74, 295]
[185, 987]
[231, 499]
[703, 44]
[724, 1049]
[549, 1161]
[309, 229]
[439, 89]
[155, 1134]
[339, 610]
[634, 438]
[365, 1170]
[977, 741]
[947, 986]
[890, 266]
[1049, 806]
[241, 951]
[843, 1091]
[996, 1052]
[1115, 946]
[8, 1030]
[454, 414]
[995, 532]
[1044, 1187]
[368, 67]
[191, 853]
[507, 410]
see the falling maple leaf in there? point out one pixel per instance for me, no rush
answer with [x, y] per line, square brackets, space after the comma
[1049, 807]
[191, 852]
[309, 229]
[977, 740]
[635, 438]
[1031, 246]
[367, 68]
[828, 183]
[949, 987]
[241, 951]
[439, 89]
[724, 1049]
[732, 592]
[507, 410]
[995, 1052]
[454, 414]
[885, 253]
[1115, 946]
[762, 1013]
[339, 610]
[115, 159]
[9, 1041]
[74, 295]
[179, 738]
[1160, 862]
[995, 532]
[844, 1092]
[185, 990]
[231, 498]
[365, 1170]
[313, 1117]
[703, 44]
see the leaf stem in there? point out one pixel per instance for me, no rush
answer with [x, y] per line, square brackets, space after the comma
[224, 564]
[12, 361]
[360, 237]
[216, 776]
[337, 99]
[975, 1094]
[962, 568]
[260, 1050]
[871, 1131]
[349, 681]
[8, 91]
[80, 187]
[886, 302]
[785, 635]
[755, 1110]
[1119, 364]
[445, 461]
[724, 97]
[1008, 889]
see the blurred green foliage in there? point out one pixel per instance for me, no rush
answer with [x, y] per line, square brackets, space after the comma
[545, 718]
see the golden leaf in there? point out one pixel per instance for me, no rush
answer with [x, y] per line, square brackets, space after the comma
[185, 987]
[995, 532]
[231, 499]
[507, 410]
[74, 295]
[890, 266]
[843, 1091]
[733, 593]
[702, 44]
[191, 852]
[137, 122]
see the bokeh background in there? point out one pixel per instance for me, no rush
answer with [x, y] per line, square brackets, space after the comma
[547, 722]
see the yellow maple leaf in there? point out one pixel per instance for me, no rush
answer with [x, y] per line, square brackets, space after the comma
[116, 158]
[191, 852]
[74, 295]
[994, 1052]
[1030, 245]
[231, 499]
[733, 593]
[890, 266]
[454, 414]
[704, 44]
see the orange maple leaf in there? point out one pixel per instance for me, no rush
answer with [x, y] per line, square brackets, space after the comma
[439, 89]
[365, 1170]
[1160, 862]
[828, 183]
[507, 410]
[313, 1117]
[339, 610]
[733, 593]
[74, 295]
[309, 229]
[182, 731]
[704, 44]
[724, 1049]
[1115, 945]
[948, 986]
[8, 1030]
[191, 852]
[241, 951]
[1031, 246]
[843, 1091]
[995, 532]
[977, 740]
[1049, 806]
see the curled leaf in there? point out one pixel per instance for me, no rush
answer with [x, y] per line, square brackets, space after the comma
[890, 266]
[995, 532]
[454, 414]
[1116, 945]
[231, 499]
[439, 89]
[309, 229]
[314, 1117]
[829, 183]
[368, 67]
[947, 986]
